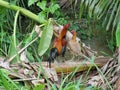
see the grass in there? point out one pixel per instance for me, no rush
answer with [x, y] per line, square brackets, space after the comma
[6, 82]
[68, 83]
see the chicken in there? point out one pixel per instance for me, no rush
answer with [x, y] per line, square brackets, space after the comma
[74, 45]
[59, 45]
[64, 45]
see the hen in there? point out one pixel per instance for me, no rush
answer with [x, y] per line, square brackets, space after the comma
[74, 45]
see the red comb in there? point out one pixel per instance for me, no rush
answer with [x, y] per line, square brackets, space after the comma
[67, 25]
[73, 31]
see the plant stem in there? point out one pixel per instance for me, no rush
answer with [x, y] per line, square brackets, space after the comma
[14, 32]
[22, 10]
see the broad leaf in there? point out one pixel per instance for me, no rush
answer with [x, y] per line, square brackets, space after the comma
[45, 38]
[118, 35]
[42, 16]
[30, 2]
[42, 5]
[53, 8]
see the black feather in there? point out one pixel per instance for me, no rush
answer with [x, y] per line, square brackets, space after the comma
[63, 51]
[53, 54]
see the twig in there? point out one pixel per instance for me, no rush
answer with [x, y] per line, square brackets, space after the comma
[25, 79]
[9, 60]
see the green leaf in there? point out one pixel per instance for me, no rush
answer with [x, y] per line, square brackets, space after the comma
[118, 34]
[4, 81]
[42, 5]
[13, 2]
[112, 14]
[81, 10]
[28, 38]
[92, 5]
[42, 16]
[45, 38]
[107, 13]
[39, 87]
[7, 83]
[53, 8]
[30, 56]
[105, 8]
[13, 50]
[2, 15]
[30, 2]
[117, 17]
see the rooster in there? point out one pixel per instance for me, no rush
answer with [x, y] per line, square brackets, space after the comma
[74, 45]
[64, 45]
[59, 45]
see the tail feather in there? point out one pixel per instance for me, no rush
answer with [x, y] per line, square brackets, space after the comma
[52, 56]
[63, 51]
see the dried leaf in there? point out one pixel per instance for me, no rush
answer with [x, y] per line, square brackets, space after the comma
[101, 59]
[54, 74]
[2, 58]
[38, 82]
[37, 29]
[117, 84]
[88, 51]
[95, 81]
[23, 57]
[4, 64]
[48, 72]
[26, 71]
[113, 80]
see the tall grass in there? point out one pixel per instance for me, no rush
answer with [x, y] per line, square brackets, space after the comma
[6, 82]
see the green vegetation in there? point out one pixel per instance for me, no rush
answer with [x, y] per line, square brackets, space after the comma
[17, 25]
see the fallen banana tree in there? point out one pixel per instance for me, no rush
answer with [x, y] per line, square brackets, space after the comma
[22, 70]
[70, 66]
